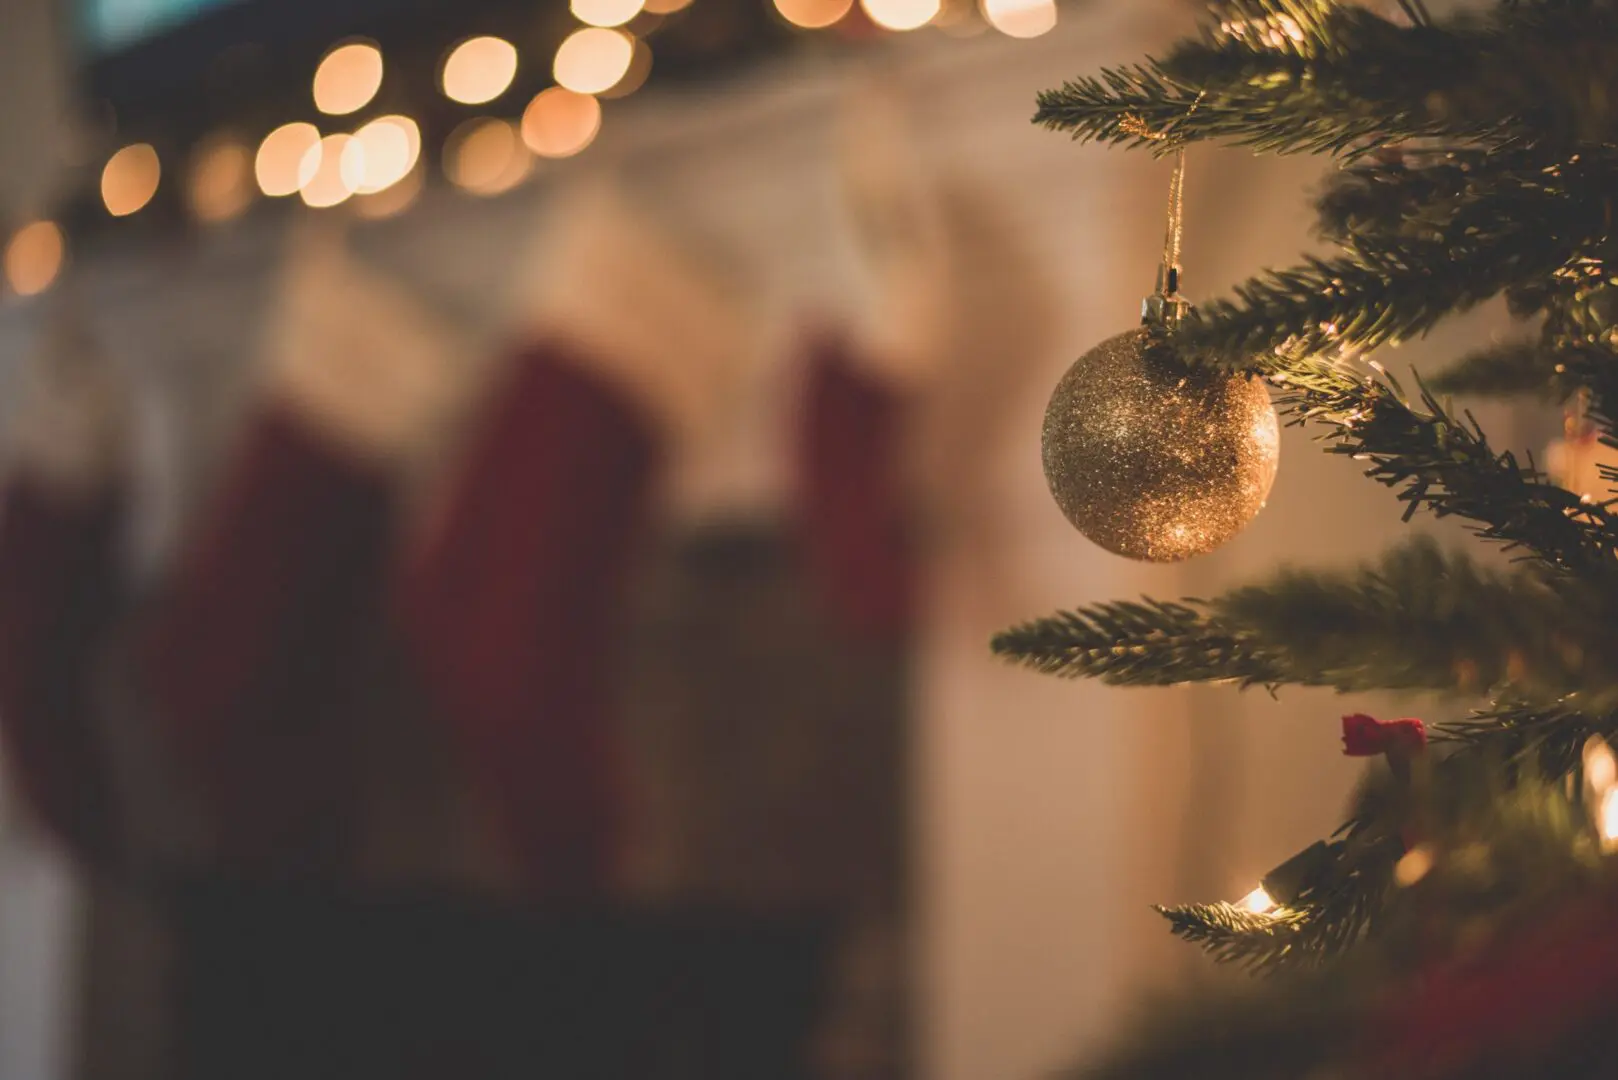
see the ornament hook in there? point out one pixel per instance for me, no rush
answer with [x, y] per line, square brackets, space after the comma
[1166, 307]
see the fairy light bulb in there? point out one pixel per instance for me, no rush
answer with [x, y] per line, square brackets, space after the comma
[382, 153]
[559, 123]
[606, 12]
[1607, 819]
[901, 14]
[333, 172]
[283, 163]
[813, 14]
[221, 179]
[479, 70]
[348, 78]
[1258, 902]
[1600, 767]
[1413, 865]
[1020, 18]
[33, 257]
[593, 59]
[129, 179]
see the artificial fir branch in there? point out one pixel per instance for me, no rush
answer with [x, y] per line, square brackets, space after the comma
[1465, 197]
[1337, 78]
[1509, 369]
[1362, 299]
[1150, 643]
[1423, 619]
[1549, 735]
[1146, 107]
[1502, 778]
[1418, 244]
[1446, 465]
[1419, 619]
[1234, 935]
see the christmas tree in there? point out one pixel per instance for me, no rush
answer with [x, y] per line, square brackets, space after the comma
[1461, 922]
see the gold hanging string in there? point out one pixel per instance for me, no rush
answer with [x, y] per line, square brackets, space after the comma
[1165, 305]
[1173, 234]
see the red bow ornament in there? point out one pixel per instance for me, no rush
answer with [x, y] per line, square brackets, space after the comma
[1366, 736]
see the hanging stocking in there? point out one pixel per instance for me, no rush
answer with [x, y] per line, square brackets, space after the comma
[852, 490]
[250, 660]
[851, 493]
[58, 586]
[509, 607]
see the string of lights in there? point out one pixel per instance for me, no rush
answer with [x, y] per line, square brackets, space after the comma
[376, 166]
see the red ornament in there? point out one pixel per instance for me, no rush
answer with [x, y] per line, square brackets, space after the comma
[1366, 736]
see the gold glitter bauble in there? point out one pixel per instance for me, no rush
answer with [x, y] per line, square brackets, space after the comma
[1152, 459]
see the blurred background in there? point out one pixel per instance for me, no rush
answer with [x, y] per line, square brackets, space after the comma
[506, 506]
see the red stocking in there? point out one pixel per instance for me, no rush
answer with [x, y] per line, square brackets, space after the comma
[58, 577]
[56, 595]
[850, 493]
[253, 660]
[508, 611]
[248, 660]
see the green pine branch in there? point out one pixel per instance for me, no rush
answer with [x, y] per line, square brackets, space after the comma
[1288, 325]
[1509, 369]
[1336, 908]
[1359, 299]
[1424, 619]
[1466, 197]
[1499, 779]
[1580, 339]
[1234, 935]
[1335, 78]
[1549, 735]
[1418, 244]
[1150, 643]
[1419, 619]
[1446, 466]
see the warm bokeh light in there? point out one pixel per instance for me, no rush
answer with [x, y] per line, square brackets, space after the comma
[813, 14]
[348, 78]
[1600, 768]
[607, 12]
[1020, 18]
[281, 156]
[33, 257]
[593, 59]
[221, 178]
[478, 70]
[900, 14]
[666, 7]
[382, 153]
[393, 200]
[634, 76]
[1607, 819]
[559, 123]
[1258, 902]
[1414, 865]
[486, 156]
[331, 179]
[129, 179]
